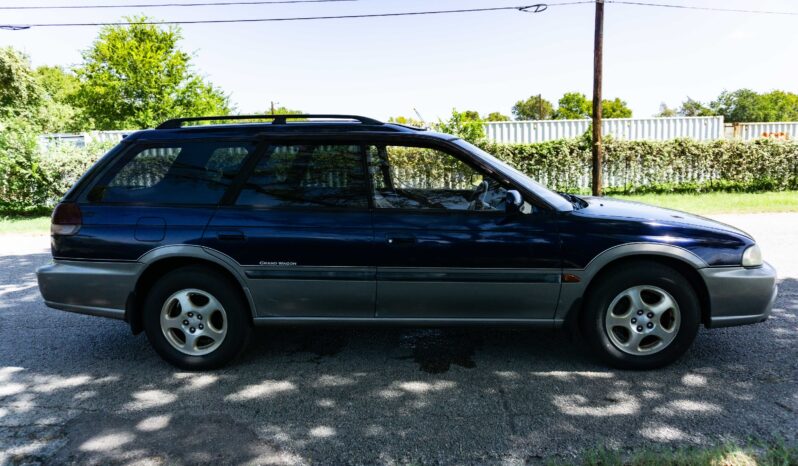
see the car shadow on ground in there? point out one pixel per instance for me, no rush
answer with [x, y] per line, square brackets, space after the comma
[81, 389]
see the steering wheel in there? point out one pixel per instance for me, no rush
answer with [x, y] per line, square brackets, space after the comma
[477, 198]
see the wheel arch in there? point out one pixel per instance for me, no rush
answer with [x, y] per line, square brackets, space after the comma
[679, 259]
[163, 260]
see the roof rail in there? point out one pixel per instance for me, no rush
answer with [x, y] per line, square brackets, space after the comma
[177, 123]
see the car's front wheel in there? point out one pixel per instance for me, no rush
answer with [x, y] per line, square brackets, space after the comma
[196, 319]
[641, 316]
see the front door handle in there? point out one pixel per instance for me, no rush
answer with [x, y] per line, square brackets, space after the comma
[230, 236]
[400, 239]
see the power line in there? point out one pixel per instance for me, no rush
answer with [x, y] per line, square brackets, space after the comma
[704, 8]
[162, 5]
[534, 8]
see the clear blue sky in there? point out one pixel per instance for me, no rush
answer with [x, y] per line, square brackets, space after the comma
[481, 61]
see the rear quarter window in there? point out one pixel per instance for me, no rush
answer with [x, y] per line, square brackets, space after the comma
[184, 173]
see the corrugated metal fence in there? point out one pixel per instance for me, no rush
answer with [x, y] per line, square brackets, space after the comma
[775, 130]
[82, 139]
[654, 129]
[635, 129]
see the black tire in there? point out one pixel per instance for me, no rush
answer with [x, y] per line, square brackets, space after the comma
[618, 279]
[224, 290]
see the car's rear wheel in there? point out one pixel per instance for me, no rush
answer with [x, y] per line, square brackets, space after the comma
[641, 316]
[196, 318]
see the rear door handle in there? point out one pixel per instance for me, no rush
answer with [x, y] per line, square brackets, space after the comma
[400, 239]
[230, 236]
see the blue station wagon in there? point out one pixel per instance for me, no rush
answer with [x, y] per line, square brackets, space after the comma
[194, 233]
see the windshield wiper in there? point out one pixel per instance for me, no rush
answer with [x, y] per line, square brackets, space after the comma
[577, 202]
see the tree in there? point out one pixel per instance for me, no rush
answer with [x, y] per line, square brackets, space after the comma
[694, 108]
[24, 97]
[20, 92]
[746, 105]
[467, 125]
[283, 111]
[60, 88]
[576, 106]
[615, 108]
[496, 116]
[136, 76]
[21, 101]
[533, 108]
[61, 85]
[740, 105]
[666, 112]
[403, 120]
[780, 106]
[573, 106]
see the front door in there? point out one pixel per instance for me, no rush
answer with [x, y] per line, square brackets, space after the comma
[300, 228]
[446, 248]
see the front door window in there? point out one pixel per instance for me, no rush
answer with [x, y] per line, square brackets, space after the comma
[408, 177]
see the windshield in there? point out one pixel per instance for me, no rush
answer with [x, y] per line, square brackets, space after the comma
[550, 197]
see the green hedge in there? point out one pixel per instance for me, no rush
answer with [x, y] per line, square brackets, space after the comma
[32, 179]
[680, 165]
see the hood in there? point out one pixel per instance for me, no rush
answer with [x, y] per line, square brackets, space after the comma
[614, 208]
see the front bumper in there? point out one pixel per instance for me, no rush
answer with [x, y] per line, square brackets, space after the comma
[739, 295]
[87, 287]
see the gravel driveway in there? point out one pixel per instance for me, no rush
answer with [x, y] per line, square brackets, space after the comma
[84, 390]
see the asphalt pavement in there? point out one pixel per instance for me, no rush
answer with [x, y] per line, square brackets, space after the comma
[84, 390]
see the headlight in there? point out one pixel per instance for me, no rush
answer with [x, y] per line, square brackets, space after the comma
[752, 257]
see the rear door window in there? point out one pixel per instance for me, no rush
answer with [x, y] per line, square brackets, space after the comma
[308, 175]
[184, 173]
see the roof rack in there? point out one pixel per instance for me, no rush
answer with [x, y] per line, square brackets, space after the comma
[177, 123]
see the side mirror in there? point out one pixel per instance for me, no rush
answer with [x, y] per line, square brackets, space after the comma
[514, 202]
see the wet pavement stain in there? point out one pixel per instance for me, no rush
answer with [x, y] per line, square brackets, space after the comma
[436, 350]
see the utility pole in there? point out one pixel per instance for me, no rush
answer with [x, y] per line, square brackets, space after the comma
[272, 102]
[598, 50]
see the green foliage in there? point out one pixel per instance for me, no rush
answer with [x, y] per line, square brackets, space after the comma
[750, 454]
[19, 90]
[59, 112]
[533, 108]
[615, 108]
[32, 180]
[64, 164]
[23, 183]
[745, 105]
[694, 108]
[680, 165]
[496, 116]
[666, 112]
[403, 120]
[59, 84]
[575, 105]
[467, 125]
[283, 111]
[135, 76]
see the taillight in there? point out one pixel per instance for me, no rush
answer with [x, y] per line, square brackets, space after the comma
[66, 220]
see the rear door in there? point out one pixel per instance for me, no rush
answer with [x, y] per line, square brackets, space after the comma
[446, 247]
[300, 227]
